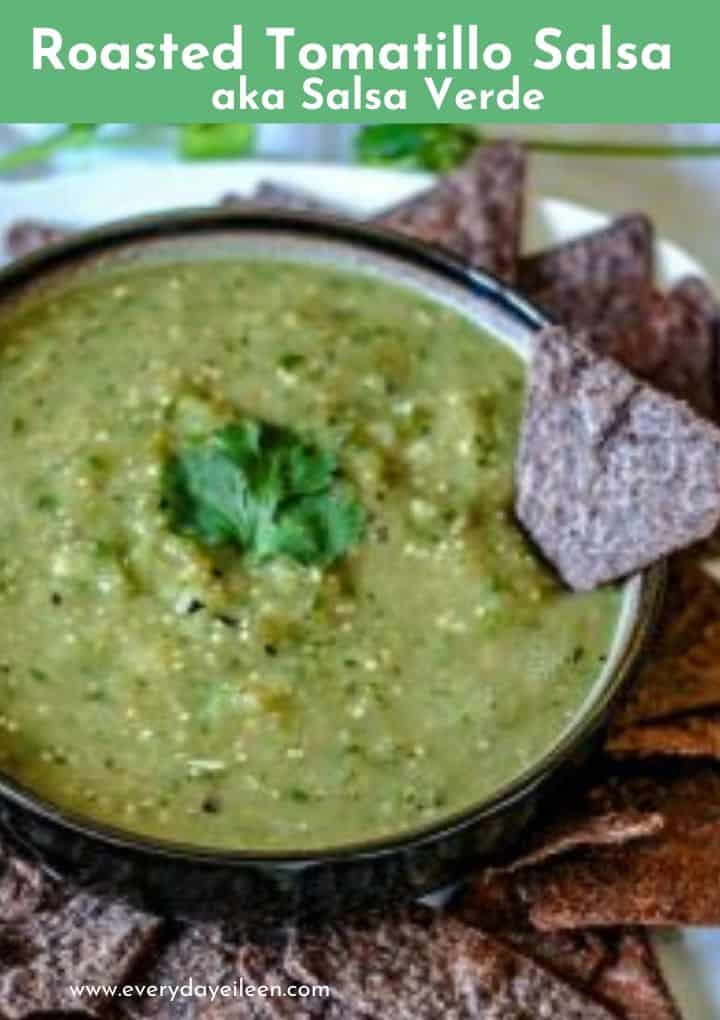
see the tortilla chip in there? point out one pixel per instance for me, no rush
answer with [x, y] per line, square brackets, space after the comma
[22, 887]
[576, 955]
[476, 212]
[599, 454]
[618, 968]
[27, 236]
[198, 951]
[409, 963]
[674, 686]
[606, 314]
[85, 939]
[568, 834]
[681, 673]
[283, 196]
[602, 284]
[703, 337]
[633, 983]
[619, 254]
[699, 297]
[660, 338]
[673, 705]
[426, 966]
[689, 736]
[667, 879]
[598, 815]
[675, 346]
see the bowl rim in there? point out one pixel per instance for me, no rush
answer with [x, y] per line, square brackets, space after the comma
[175, 225]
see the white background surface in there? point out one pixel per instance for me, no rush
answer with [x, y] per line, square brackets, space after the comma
[691, 958]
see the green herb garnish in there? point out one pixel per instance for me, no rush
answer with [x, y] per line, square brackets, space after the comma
[436, 147]
[441, 147]
[265, 490]
[215, 141]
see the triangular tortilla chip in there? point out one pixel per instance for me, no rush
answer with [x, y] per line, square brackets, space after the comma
[26, 236]
[699, 297]
[608, 829]
[681, 672]
[602, 284]
[664, 339]
[612, 475]
[86, 939]
[622, 251]
[690, 736]
[668, 879]
[402, 963]
[23, 886]
[675, 347]
[617, 967]
[430, 966]
[476, 212]
[283, 196]
[199, 951]
[633, 982]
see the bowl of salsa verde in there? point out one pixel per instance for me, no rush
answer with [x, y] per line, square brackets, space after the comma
[271, 633]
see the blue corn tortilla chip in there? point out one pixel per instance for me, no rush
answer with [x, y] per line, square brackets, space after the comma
[612, 475]
[475, 212]
[621, 252]
[282, 196]
[27, 236]
[602, 284]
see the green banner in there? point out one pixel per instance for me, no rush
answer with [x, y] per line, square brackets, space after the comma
[612, 62]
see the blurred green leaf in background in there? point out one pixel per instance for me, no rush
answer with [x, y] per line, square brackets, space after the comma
[216, 141]
[72, 136]
[441, 147]
[436, 147]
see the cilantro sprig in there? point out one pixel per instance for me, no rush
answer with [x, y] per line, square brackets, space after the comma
[435, 147]
[441, 147]
[265, 490]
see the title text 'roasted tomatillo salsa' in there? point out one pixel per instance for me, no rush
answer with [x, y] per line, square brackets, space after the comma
[261, 586]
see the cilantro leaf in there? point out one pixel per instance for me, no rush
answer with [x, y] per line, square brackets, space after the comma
[263, 489]
[328, 522]
[436, 147]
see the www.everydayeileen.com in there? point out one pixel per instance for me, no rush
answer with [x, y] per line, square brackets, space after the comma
[190, 989]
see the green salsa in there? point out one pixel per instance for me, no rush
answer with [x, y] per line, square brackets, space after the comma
[199, 693]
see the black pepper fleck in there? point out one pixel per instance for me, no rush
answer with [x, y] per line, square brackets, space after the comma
[211, 806]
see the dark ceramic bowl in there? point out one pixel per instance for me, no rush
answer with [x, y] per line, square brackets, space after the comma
[272, 887]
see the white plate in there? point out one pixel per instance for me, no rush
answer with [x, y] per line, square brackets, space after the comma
[691, 957]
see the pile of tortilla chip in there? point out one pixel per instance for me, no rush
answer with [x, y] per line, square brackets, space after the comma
[560, 930]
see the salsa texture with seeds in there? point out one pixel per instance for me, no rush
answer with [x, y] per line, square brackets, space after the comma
[410, 659]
